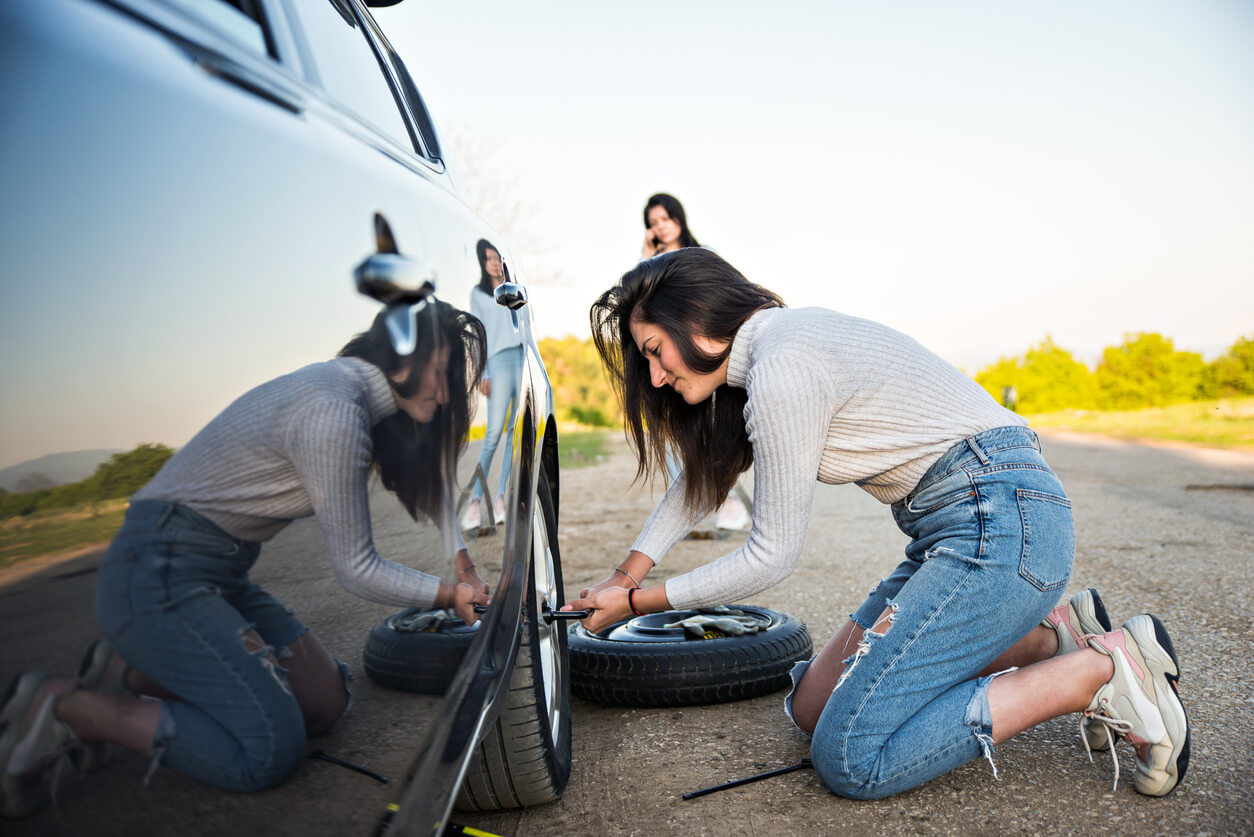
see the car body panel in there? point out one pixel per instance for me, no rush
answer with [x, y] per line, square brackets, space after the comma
[184, 203]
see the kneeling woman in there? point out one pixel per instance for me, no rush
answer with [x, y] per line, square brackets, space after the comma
[238, 680]
[916, 683]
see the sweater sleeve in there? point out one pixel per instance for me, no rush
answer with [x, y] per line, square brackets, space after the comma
[331, 448]
[668, 523]
[787, 418]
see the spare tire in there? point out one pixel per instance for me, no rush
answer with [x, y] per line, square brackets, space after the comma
[643, 662]
[417, 650]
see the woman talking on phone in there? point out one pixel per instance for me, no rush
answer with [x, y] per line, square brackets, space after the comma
[961, 647]
[501, 378]
[665, 226]
[666, 230]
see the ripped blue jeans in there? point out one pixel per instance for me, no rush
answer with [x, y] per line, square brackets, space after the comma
[991, 550]
[174, 598]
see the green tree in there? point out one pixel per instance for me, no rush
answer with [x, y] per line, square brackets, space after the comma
[1231, 374]
[1046, 378]
[121, 476]
[580, 389]
[126, 473]
[1147, 371]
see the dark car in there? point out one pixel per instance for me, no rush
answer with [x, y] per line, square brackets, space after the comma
[190, 190]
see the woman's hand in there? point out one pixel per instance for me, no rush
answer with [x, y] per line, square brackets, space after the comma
[466, 572]
[608, 605]
[652, 246]
[464, 598]
[630, 573]
[485, 387]
[615, 579]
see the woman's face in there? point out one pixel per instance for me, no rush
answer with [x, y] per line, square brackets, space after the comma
[664, 228]
[492, 264]
[432, 388]
[667, 368]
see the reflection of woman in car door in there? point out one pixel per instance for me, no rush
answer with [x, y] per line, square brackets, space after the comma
[201, 669]
[500, 382]
[666, 230]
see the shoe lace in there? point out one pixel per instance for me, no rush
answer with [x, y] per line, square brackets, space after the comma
[1112, 727]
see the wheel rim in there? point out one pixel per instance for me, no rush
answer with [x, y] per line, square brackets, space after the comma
[550, 650]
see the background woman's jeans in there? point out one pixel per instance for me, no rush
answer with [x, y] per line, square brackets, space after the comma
[174, 599]
[992, 546]
[505, 374]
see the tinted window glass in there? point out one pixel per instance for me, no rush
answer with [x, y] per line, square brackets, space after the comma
[238, 20]
[346, 63]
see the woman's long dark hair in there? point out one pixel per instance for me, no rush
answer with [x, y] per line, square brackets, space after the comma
[417, 461]
[675, 210]
[485, 279]
[686, 293]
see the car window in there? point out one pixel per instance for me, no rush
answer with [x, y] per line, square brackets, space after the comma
[240, 21]
[348, 69]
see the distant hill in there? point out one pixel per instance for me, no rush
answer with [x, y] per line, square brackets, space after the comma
[55, 469]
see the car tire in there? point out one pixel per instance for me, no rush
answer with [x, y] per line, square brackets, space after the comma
[525, 757]
[400, 655]
[640, 662]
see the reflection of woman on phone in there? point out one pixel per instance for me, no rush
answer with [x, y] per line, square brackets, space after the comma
[666, 229]
[666, 226]
[500, 380]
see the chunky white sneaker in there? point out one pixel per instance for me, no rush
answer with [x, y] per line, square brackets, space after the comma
[1082, 616]
[732, 514]
[498, 508]
[472, 517]
[1141, 703]
[36, 749]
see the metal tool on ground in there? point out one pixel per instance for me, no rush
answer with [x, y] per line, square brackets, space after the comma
[322, 755]
[801, 765]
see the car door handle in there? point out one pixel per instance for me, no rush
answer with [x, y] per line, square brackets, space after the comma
[512, 295]
[394, 279]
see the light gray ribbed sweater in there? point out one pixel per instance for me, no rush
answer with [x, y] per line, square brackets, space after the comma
[296, 446]
[843, 398]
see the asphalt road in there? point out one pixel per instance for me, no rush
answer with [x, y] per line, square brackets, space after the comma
[1167, 530]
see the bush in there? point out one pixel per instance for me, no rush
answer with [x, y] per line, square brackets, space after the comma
[1047, 378]
[121, 476]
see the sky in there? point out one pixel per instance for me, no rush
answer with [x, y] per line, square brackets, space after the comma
[979, 175]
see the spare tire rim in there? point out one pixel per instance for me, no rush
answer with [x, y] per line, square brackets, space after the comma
[546, 598]
[652, 626]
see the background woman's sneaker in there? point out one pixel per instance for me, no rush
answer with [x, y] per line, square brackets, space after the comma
[1141, 702]
[733, 515]
[1083, 615]
[472, 517]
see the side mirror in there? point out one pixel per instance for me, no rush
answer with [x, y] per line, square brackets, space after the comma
[511, 295]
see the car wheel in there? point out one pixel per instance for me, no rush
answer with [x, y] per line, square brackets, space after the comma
[646, 661]
[417, 650]
[525, 757]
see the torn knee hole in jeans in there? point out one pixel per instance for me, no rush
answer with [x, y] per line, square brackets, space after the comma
[885, 622]
[266, 654]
